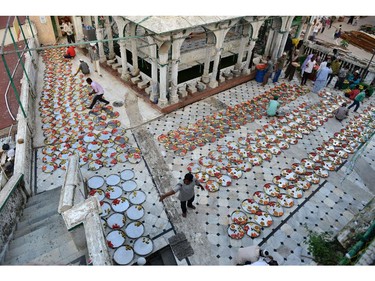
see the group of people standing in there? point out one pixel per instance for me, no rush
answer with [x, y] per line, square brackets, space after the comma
[325, 70]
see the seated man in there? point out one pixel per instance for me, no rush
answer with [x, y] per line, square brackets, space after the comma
[273, 105]
[84, 67]
[70, 52]
[249, 255]
[342, 112]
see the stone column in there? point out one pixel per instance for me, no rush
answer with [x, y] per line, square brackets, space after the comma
[77, 22]
[299, 30]
[277, 44]
[241, 52]
[174, 81]
[176, 54]
[154, 74]
[246, 69]
[125, 75]
[206, 68]
[283, 42]
[135, 71]
[308, 29]
[269, 41]
[99, 37]
[213, 82]
[307, 34]
[163, 64]
[108, 28]
[220, 35]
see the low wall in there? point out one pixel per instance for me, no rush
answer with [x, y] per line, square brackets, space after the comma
[26, 126]
[13, 199]
[13, 196]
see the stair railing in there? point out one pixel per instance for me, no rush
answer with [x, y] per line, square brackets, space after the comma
[82, 216]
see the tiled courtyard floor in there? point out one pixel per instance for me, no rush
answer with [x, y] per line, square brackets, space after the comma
[326, 206]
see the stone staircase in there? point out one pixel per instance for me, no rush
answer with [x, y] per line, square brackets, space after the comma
[162, 257]
[41, 237]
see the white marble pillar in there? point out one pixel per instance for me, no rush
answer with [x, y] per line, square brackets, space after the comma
[246, 69]
[176, 48]
[220, 36]
[308, 29]
[269, 41]
[283, 42]
[276, 46]
[134, 50]
[241, 51]
[154, 73]
[299, 30]
[108, 28]
[206, 68]
[99, 37]
[78, 30]
[125, 75]
[213, 82]
[163, 64]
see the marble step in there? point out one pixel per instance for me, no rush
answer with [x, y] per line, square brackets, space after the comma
[63, 255]
[24, 229]
[28, 252]
[43, 195]
[42, 234]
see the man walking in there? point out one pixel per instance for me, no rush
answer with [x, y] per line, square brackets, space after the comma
[186, 192]
[308, 70]
[269, 70]
[279, 67]
[94, 57]
[357, 100]
[97, 89]
[321, 78]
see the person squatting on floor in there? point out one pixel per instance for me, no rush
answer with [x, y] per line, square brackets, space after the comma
[253, 255]
[273, 105]
[342, 112]
[97, 89]
[84, 67]
[70, 52]
[186, 192]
